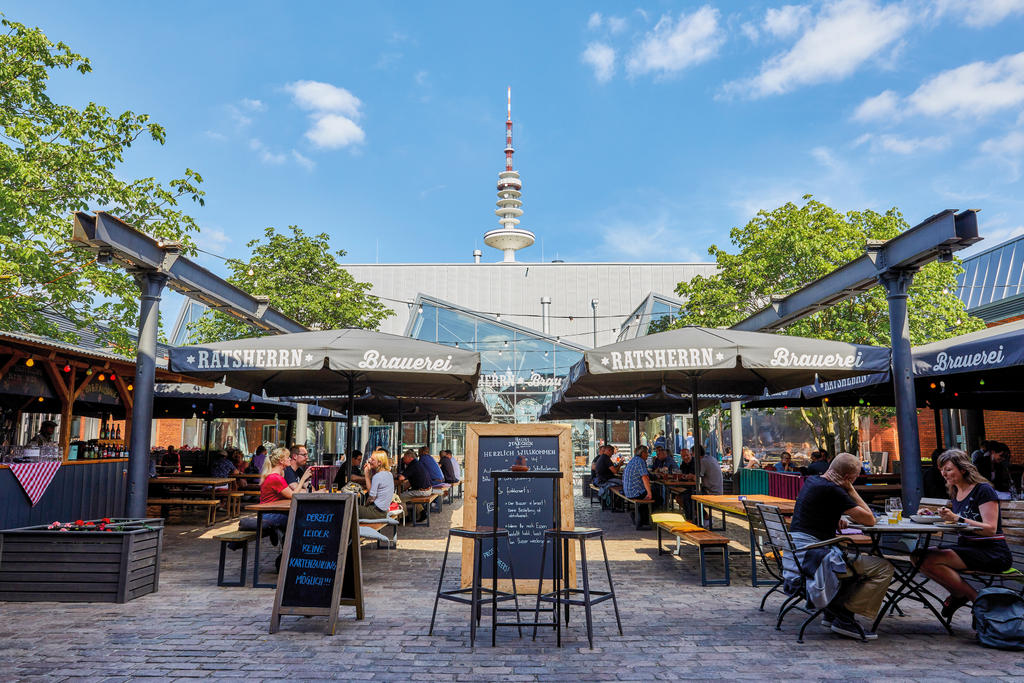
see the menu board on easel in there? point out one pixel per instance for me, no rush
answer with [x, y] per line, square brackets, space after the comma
[526, 506]
[320, 566]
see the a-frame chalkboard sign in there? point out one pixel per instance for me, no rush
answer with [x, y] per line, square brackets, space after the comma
[320, 566]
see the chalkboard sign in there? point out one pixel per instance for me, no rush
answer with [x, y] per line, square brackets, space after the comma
[320, 565]
[526, 505]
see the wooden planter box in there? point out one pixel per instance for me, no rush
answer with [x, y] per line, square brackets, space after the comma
[38, 564]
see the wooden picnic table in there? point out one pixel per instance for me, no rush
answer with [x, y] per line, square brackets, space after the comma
[279, 506]
[191, 481]
[732, 505]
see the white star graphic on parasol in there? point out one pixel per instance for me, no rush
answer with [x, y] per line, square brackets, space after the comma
[604, 361]
[719, 356]
[309, 357]
[191, 359]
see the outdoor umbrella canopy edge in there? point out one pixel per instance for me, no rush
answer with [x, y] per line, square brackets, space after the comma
[691, 359]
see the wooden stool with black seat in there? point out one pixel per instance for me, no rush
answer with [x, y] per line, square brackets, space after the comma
[564, 594]
[478, 593]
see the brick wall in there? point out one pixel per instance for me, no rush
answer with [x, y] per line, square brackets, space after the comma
[1000, 425]
[167, 433]
[1007, 427]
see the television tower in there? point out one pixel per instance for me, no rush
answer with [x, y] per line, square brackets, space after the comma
[508, 237]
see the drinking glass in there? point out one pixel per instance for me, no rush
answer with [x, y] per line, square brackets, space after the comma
[897, 507]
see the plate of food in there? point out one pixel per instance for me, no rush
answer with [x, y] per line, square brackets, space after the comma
[925, 519]
[952, 525]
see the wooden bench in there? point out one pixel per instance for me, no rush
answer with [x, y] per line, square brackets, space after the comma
[242, 537]
[1012, 513]
[209, 503]
[377, 526]
[634, 505]
[426, 501]
[443, 491]
[232, 502]
[595, 492]
[698, 536]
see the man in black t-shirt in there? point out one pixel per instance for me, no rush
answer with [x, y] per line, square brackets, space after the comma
[817, 515]
[819, 464]
[601, 468]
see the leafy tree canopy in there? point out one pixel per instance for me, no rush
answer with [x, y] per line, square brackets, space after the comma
[782, 250]
[303, 280]
[55, 160]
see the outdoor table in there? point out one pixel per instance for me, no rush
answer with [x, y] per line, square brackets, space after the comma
[874, 490]
[904, 584]
[732, 505]
[212, 482]
[672, 485]
[260, 509]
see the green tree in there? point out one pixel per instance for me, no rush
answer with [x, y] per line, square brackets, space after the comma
[303, 280]
[782, 250]
[55, 160]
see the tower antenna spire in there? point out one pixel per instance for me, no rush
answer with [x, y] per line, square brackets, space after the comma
[508, 237]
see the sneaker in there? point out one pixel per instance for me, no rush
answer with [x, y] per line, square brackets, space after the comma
[849, 629]
[827, 620]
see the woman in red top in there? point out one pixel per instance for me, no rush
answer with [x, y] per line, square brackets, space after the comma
[274, 488]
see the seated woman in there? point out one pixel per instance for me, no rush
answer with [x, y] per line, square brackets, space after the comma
[981, 545]
[274, 488]
[785, 463]
[382, 490]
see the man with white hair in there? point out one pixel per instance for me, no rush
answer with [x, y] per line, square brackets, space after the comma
[817, 516]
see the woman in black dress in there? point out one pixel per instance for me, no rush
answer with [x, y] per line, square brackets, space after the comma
[981, 545]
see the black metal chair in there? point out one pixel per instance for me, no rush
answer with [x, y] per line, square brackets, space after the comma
[564, 594]
[770, 559]
[478, 594]
[781, 542]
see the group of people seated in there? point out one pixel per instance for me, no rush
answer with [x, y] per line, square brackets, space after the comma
[817, 464]
[827, 501]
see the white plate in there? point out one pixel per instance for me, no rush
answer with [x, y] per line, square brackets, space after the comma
[926, 519]
[944, 525]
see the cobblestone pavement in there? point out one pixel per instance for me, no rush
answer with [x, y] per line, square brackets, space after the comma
[674, 628]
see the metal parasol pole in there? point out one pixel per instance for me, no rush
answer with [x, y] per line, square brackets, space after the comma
[350, 434]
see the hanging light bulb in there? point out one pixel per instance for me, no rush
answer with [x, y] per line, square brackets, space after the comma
[101, 378]
[498, 316]
[40, 399]
[420, 310]
[505, 343]
[113, 376]
[29, 362]
[89, 372]
[131, 387]
[545, 354]
[236, 405]
[67, 368]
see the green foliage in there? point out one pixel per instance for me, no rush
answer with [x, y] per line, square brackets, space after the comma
[782, 250]
[303, 280]
[55, 160]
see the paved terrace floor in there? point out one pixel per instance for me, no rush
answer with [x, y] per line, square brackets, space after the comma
[674, 628]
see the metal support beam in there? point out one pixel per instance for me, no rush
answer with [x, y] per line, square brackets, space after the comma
[735, 408]
[935, 238]
[301, 422]
[116, 240]
[896, 283]
[151, 285]
[948, 430]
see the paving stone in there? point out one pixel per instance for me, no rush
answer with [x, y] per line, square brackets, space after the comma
[674, 629]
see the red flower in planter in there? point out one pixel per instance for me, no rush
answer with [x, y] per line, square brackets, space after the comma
[105, 520]
[79, 522]
[90, 524]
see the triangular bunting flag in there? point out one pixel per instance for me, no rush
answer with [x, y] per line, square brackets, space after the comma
[34, 477]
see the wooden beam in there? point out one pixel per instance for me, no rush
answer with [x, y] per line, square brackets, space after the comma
[126, 396]
[81, 387]
[63, 393]
[9, 364]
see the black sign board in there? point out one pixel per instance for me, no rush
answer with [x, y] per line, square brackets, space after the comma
[527, 505]
[320, 565]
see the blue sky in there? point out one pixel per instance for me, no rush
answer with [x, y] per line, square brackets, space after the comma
[644, 132]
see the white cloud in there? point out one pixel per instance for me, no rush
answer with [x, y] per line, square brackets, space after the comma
[641, 242]
[750, 31]
[901, 145]
[214, 135]
[333, 131]
[324, 97]
[240, 119]
[252, 105]
[601, 58]
[213, 239]
[595, 20]
[979, 13]
[972, 90]
[787, 20]
[675, 45]
[843, 36]
[266, 156]
[1008, 151]
[616, 24]
[882, 105]
[303, 161]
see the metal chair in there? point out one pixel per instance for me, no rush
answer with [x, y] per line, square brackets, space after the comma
[782, 543]
[770, 559]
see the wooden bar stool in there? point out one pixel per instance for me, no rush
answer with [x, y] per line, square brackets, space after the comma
[478, 594]
[564, 595]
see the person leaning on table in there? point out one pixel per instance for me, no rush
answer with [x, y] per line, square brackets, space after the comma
[817, 515]
[981, 546]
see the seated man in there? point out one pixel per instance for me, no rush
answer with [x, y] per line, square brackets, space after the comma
[451, 470]
[689, 463]
[636, 481]
[431, 466]
[932, 483]
[995, 466]
[785, 463]
[820, 505]
[663, 460]
[255, 465]
[300, 457]
[710, 472]
[819, 464]
[416, 474]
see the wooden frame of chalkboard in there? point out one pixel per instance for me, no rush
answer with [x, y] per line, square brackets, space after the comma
[321, 568]
[476, 477]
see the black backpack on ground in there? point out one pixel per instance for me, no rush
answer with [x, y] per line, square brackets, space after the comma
[999, 618]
